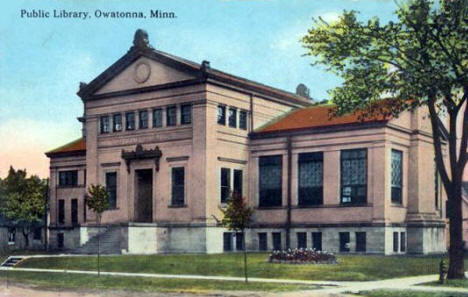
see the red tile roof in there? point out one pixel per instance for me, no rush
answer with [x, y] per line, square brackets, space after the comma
[315, 117]
[73, 148]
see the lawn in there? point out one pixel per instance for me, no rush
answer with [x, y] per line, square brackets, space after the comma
[92, 282]
[349, 267]
[463, 283]
[408, 293]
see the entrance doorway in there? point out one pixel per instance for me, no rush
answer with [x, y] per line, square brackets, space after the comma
[144, 195]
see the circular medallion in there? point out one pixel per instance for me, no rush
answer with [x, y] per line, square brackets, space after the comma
[142, 72]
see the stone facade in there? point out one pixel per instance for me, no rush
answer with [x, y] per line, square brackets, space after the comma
[166, 165]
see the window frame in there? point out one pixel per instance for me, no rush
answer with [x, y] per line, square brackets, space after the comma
[301, 237]
[403, 242]
[114, 122]
[317, 241]
[129, 121]
[183, 111]
[277, 241]
[112, 190]
[302, 199]
[143, 124]
[225, 188]
[61, 211]
[262, 241]
[357, 186]
[237, 183]
[160, 111]
[243, 119]
[104, 124]
[68, 178]
[396, 191]
[345, 247]
[221, 115]
[174, 202]
[232, 118]
[361, 245]
[227, 242]
[74, 211]
[396, 245]
[169, 118]
[268, 162]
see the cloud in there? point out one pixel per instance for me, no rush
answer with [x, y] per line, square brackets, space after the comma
[330, 16]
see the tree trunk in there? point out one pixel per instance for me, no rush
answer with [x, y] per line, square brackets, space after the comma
[26, 238]
[98, 247]
[456, 254]
[245, 256]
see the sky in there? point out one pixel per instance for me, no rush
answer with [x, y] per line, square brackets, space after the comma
[42, 60]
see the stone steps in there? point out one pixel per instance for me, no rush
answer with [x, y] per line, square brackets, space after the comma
[11, 261]
[109, 243]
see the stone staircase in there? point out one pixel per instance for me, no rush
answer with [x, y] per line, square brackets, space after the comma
[11, 261]
[109, 243]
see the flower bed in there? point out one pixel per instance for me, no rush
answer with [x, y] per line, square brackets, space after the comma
[302, 256]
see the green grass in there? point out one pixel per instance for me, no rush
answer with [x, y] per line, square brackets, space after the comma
[408, 293]
[459, 283]
[92, 282]
[350, 267]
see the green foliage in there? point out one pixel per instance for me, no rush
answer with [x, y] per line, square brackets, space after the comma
[237, 214]
[23, 200]
[421, 57]
[97, 199]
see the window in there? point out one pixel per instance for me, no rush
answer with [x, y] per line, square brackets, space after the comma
[60, 240]
[186, 114]
[227, 241]
[238, 181]
[37, 233]
[11, 235]
[402, 242]
[104, 124]
[243, 120]
[354, 176]
[221, 119]
[270, 181]
[74, 211]
[317, 241]
[232, 117]
[61, 211]
[111, 186]
[310, 179]
[178, 186]
[171, 116]
[301, 240]
[157, 118]
[143, 119]
[225, 184]
[117, 122]
[397, 172]
[262, 241]
[68, 178]
[395, 242]
[276, 240]
[239, 241]
[130, 121]
[360, 241]
[344, 242]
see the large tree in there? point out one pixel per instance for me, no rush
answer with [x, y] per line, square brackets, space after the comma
[419, 60]
[23, 200]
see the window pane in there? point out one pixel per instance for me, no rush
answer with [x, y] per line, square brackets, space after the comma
[157, 118]
[317, 241]
[227, 241]
[243, 119]
[277, 240]
[143, 122]
[178, 185]
[104, 124]
[130, 121]
[117, 121]
[225, 184]
[354, 176]
[262, 241]
[239, 241]
[61, 211]
[111, 186]
[221, 115]
[238, 181]
[395, 242]
[396, 176]
[186, 110]
[172, 116]
[232, 117]
[270, 181]
[74, 211]
[301, 240]
[344, 241]
[360, 241]
[68, 178]
[310, 179]
[402, 241]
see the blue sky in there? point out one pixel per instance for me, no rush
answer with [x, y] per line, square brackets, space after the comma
[42, 60]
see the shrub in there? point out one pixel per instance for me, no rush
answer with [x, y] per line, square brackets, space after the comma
[302, 256]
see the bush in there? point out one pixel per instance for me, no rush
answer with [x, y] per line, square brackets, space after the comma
[302, 256]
